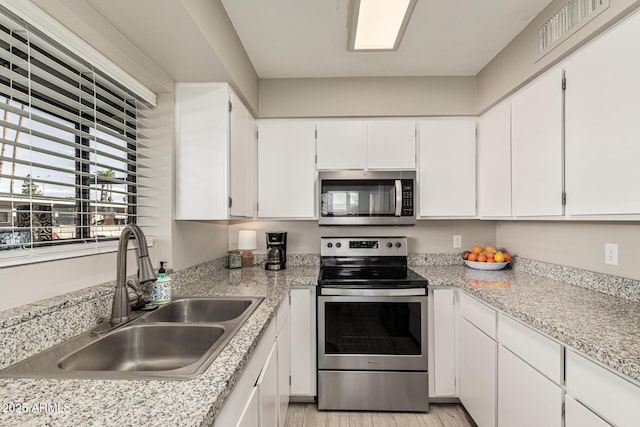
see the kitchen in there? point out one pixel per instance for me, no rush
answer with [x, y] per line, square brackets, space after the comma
[152, 50]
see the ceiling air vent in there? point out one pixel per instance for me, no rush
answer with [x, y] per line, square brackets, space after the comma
[573, 15]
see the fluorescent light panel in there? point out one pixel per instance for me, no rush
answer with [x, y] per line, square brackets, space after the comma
[378, 25]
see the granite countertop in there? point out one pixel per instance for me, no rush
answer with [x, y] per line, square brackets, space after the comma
[601, 326]
[167, 403]
[604, 327]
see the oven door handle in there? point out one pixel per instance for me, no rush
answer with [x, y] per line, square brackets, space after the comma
[405, 292]
[398, 197]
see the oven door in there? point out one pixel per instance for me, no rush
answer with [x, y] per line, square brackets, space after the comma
[381, 330]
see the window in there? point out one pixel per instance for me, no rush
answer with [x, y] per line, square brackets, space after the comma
[69, 139]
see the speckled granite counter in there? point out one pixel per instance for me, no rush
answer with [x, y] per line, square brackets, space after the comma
[599, 325]
[158, 403]
[604, 327]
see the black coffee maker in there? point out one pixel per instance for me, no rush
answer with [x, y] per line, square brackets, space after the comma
[276, 250]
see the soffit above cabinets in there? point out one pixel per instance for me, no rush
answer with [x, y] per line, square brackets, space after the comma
[294, 38]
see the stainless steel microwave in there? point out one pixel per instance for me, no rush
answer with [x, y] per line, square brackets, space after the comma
[367, 198]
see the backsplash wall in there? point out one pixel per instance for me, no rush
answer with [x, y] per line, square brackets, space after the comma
[574, 244]
[428, 236]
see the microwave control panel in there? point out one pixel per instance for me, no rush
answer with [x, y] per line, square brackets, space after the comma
[407, 197]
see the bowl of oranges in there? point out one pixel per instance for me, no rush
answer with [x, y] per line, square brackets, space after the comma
[486, 258]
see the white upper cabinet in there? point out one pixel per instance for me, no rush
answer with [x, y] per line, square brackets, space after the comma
[366, 144]
[342, 144]
[447, 178]
[601, 123]
[213, 147]
[286, 169]
[391, 144]
[243, 160]
[536, 148]
[494, 162]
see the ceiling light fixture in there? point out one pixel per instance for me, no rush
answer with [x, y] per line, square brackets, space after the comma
[378, 25]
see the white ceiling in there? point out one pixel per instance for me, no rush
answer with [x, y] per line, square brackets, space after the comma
[307, 38]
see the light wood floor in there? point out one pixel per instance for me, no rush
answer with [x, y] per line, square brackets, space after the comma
[440, 415]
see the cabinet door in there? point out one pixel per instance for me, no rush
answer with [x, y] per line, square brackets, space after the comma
[242, 160]
[342, 144]
[494, 162]
[601, 123]
[444, 343]
[391, 144]
[577, 415]
[536, 148]
[447, 167]
[286, 169]
[249, 416]
[303, 342]
[477, 371]
[268, 390]
[284, 372]
[202, 151]
[526, 397]
[610, 395]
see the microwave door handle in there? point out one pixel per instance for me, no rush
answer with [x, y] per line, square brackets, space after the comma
[398, 197]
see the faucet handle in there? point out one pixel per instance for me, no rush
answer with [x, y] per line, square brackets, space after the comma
[137, 288]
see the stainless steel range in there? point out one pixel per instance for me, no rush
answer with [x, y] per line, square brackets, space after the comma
[372, 327]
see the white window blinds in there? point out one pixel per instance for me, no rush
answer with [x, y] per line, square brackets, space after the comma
[69, 138]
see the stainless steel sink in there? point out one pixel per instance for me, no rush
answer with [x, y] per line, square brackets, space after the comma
[195, 310]
[145, 348]
[176, 342]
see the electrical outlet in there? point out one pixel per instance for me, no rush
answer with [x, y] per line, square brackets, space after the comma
[457, 241]
[611, 253]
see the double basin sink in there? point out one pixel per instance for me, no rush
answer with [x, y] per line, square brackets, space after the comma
[177, 341]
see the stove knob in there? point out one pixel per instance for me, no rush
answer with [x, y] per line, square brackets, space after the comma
[338, 245]
[398, 244]
[329, 245]
[389, 245]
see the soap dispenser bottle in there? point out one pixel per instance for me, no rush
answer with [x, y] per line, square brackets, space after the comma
[162, 286]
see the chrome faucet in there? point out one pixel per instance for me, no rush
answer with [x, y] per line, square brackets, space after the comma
[120, 310]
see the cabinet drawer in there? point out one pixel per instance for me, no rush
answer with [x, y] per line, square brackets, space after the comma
[478, 314]
[534, 348]
[611, 396]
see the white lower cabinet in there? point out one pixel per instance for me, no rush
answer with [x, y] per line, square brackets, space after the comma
[577, 415]
[442, 346]
[268, 391]
[283, 344]
[525, 397]
[477, 371]
[509, 374]
[607, 393]
[249, 416]
[260, 398]
[303, 343]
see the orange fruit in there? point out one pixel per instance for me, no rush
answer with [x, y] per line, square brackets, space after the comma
[482, 258]
[490, 255]
[507, 257]
[472, 257]
[477, 249]
[491, 260]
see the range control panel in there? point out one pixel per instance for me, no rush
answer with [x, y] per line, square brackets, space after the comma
[363, 246]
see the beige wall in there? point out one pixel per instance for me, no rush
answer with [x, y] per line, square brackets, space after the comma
[214, 24]
[516, 63]
[29, 283]
[367, 96]
[576, 244]
[425, 236]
